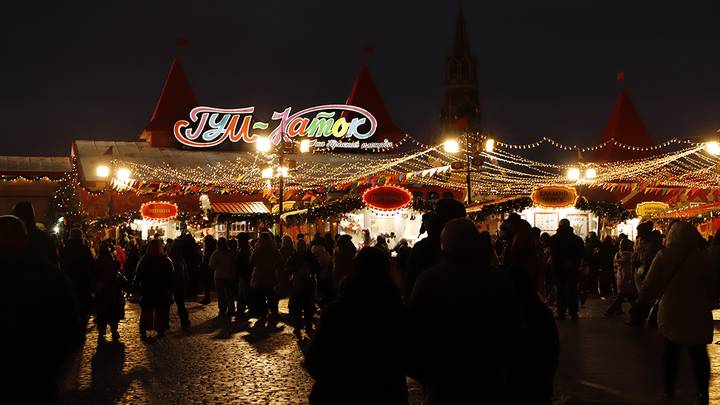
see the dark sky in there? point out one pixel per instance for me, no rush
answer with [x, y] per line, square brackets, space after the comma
[83, 70]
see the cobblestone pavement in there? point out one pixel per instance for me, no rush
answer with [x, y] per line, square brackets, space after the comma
[219, 361]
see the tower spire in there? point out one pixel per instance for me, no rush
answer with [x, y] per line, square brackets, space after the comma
[461, 87]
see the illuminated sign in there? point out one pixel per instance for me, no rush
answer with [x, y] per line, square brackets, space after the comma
[387, 198]
[649, 208]
[328, 126]
[159, 210]
[554, 196]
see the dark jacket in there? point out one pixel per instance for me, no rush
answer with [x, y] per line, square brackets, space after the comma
[358, 353]
[42, 328]
[566, 252]
[77, 263]
[109, 299]
[425, 254]
[474, 348]
[155, 278]
[303, 269]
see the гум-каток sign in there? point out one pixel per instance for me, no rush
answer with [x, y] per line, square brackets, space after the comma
[209, 126]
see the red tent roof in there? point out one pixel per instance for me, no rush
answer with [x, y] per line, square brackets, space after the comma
[364, 94]
[626, 127]
[175, 102]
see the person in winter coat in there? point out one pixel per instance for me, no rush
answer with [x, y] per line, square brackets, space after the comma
[244, 273]
[133, 258]
[684, 280]
[76, 261]
[538, 363]
[223, 264]
[624, 280]
[461, 358]
[342, 259]
[303, 269]
[566, 254]
[605, 259]
[286, 251]
[40, 242]
[41, 325]
[325, 284]
[358, 354]
[180, 281]
[154, 279]
[266, 262]
[426, 253]
[647, 244]
[206, 276]
[109, 298]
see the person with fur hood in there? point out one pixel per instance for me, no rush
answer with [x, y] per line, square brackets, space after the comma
[682, 277]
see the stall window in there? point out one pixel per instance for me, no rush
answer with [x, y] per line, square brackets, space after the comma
[432, 195]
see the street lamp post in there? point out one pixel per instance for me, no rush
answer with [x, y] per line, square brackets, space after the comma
[263, 145]
[452, 146]
[467, 162]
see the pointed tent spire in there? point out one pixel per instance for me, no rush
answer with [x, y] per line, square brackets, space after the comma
[175, 102]
[364, 94]
[626, 127]
[461, 42]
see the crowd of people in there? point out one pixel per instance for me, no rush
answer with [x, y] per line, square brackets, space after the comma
[457, 318]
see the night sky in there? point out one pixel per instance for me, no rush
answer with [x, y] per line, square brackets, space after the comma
[547, 68]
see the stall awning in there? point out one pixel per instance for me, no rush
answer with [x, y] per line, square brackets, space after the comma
[690, 211]
[240, 208]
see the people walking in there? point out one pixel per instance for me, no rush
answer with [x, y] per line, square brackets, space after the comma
[41, 325]
[244, 272]
[457, 358]
[154, 279]
[358, 354]
[77, 262]
[223, 265]
[325, 284]
[206, 275]
[684, 280]
[181, 280]
[109, 298]
[265, 262]
[303, 268]
[40, 242]
[566, 253]
[343, 256]
[133, 258]
[624, 280]
[426, 253]
[286, 251]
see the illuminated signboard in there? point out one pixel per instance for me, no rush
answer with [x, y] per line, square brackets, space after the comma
[649, 208]
[387, 198]
[554, 196]
[159, 210]
[326, 126]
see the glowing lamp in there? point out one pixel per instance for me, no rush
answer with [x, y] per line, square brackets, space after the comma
[713, 147]
[267, 172]
[590, 173]
[573, 174]
[263, 144]
[102, 171]
[451, 146]
[305, 146]
[489, 145]
[123, 174]
[283, 171]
